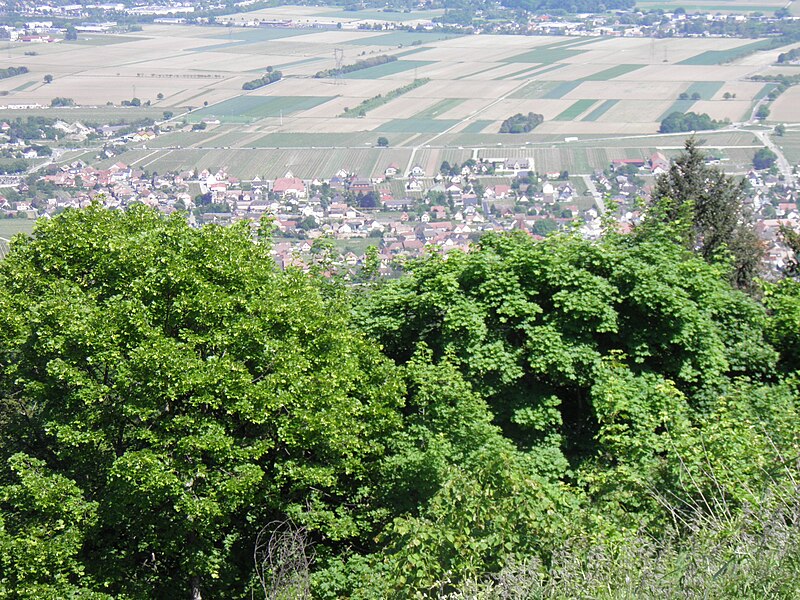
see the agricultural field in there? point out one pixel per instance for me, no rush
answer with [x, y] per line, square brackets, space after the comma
[586, 88]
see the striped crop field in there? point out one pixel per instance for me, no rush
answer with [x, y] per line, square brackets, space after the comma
[575, 110]
[600, 110]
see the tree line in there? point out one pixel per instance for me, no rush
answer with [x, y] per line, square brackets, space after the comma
[271, 76]
[12, 71]
[366, 63]
[182, 419]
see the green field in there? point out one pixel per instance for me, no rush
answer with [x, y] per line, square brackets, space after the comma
[439, 108]
[561, 90]
[390, 68]
[577, 108]
[600, 110]
[417, 125]
[96, 39]
[246, 109]
[718, 57]
[24, 86]
[477, 126]
[612, 73]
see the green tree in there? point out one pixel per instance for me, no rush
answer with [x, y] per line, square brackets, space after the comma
[705, 208]
[193, 392]
[764, 158]
[383, 142]
[48, 78]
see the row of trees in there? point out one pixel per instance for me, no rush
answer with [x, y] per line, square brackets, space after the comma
[12, 71]
[271, 76]
[167, 395]
[366, 63]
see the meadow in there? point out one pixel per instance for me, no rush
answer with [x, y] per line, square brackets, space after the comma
[586, 88]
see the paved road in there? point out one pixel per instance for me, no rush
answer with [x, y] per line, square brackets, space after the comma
[783, 165]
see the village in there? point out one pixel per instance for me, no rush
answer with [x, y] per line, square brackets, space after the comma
[438, 212]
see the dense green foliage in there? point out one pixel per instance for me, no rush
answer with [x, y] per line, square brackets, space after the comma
[704, 209]
[764, 158]
[790, 56]
[520, 123]
[12, 71]
[678, 122]
[366, 63]
[269, 77]
[498, 422]
[61, 101]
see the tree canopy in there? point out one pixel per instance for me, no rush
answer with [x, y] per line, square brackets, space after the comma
[485, 422]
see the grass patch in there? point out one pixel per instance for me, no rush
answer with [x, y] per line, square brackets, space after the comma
[600, 110]
[245, 109]
[577, 108]
[383, 70]
[718, 57]
[437, 109]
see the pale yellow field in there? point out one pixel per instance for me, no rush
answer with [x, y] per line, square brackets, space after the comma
[735, 110]
[630, 90]
[505, 108]
[636, 111]
[787, 106]
[651, 51]
[463, 89]
[687, 73]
